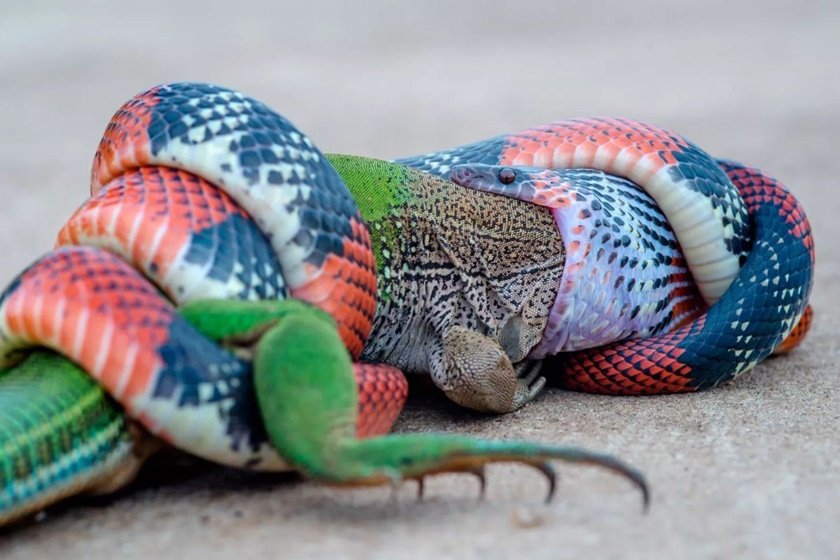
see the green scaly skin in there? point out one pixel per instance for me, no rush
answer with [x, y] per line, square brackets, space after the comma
[465, 282]
[61, 435]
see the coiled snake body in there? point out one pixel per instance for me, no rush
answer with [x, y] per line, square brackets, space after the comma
[718, 210]
[213, 196]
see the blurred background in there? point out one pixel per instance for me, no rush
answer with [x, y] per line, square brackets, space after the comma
[747, 469]
[755, 81]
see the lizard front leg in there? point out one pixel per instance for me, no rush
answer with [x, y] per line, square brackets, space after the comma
[474, 371]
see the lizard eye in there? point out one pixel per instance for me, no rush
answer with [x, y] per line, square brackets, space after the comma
[507, 176]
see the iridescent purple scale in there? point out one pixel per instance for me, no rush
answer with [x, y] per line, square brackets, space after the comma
[624, 277]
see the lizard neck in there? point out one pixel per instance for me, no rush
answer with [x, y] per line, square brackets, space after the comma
[445, 256]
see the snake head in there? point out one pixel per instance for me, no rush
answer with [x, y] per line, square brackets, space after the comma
[520, 182]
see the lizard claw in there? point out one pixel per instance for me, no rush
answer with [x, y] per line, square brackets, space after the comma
[529, 383]
[480, 473]
[547, 469]
[395, 481]
[527, 372]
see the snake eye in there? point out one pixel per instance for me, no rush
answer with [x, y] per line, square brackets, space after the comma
[507, 176]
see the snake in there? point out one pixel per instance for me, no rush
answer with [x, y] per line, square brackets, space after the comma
[215, 199]
[745, 238]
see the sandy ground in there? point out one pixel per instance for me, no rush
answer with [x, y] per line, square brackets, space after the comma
[749, 470]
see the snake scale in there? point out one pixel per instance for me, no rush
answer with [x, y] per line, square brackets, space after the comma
[222, 279]
[745, 239]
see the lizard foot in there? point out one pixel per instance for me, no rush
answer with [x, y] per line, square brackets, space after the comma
[475, 371]
[397, 457]
[308, 399]
[529, 382]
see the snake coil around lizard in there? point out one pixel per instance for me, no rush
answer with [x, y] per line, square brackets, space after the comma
[211, 194]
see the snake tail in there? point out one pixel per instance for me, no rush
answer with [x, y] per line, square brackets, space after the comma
[302, 354]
